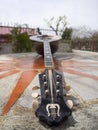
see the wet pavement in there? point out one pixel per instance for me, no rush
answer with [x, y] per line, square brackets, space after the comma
[19, 73]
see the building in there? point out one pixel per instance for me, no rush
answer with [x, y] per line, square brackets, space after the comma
[5, 32]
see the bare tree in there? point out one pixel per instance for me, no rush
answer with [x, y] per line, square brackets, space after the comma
[81, 32]
[57, 25]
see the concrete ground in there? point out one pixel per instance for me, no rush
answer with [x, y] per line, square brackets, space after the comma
[19, 73]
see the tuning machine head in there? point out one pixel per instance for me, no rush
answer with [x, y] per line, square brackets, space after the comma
[69, 103]
[58, 92]
[57, 84]
[45, 84]
[35, 87]
[67, 87]
[44, 77]
[35, 105]
[35, 95]
[57, 76]
[46, 92]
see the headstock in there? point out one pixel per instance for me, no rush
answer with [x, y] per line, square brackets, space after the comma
[52, 109]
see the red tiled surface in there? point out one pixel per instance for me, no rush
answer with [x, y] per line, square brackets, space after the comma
[29, 67]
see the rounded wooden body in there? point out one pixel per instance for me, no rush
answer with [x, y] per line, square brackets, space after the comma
[37, 42]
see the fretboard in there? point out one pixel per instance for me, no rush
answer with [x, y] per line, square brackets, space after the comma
[47, 55]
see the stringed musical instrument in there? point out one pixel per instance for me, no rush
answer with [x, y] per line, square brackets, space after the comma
[52, 109]
[37, 42]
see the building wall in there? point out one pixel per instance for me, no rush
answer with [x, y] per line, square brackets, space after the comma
[7, 30]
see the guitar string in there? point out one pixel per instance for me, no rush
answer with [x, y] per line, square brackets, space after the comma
[46, 44]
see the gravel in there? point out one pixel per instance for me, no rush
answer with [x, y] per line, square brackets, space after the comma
[24, 119]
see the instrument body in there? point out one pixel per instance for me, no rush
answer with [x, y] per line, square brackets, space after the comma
[53, 109]
[37, 42]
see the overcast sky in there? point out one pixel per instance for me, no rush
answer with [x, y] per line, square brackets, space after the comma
[33, 12]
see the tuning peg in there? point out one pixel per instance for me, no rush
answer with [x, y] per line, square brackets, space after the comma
[58, 92]
[69, 103]
[67, 86]
[57, 76]
[44, 77]
[35, 104]
[45, 84]
[35, 87]
[57, 84]
[35, 95]
[46, 92]
[68, 94]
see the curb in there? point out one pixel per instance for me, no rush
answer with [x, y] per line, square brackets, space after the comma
[84, 53]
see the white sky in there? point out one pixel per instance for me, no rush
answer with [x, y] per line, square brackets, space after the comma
[33, 12]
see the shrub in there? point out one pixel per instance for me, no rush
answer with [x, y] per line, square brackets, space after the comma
[67, 34]
[21, 41]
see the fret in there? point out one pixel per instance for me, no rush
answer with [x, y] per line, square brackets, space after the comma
[47, 55]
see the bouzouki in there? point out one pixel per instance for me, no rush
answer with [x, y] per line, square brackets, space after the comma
[52, 109]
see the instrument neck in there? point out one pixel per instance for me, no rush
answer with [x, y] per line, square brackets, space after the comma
[48, 59]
